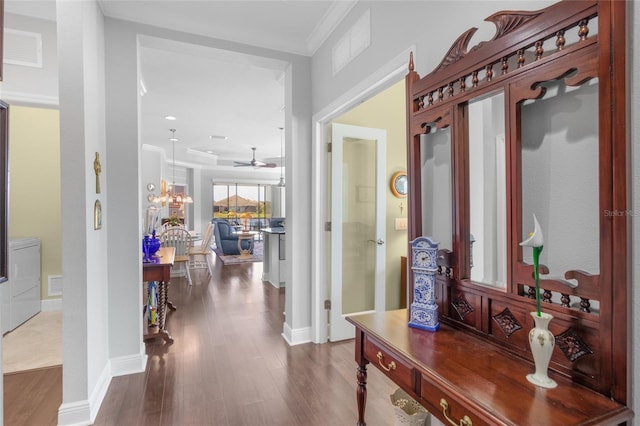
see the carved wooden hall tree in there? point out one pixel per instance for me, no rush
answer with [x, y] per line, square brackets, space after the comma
[531, 122]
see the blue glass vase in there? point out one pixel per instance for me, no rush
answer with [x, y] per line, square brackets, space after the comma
[150, 245]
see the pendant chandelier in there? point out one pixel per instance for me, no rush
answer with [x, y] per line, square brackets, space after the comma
[171, 196]
[281, 183]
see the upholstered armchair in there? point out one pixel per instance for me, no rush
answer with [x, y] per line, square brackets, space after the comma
[226, 240]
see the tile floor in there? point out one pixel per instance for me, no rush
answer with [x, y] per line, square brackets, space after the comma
[36, 343]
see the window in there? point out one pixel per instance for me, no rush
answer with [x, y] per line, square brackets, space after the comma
[243, 205]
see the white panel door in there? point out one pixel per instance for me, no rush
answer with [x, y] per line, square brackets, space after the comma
[358, 202]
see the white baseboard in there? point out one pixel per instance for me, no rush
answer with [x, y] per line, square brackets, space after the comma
[275, 284]
[296, 336]
[124, 365]
[100, 391]
[74, 414]
[84, 412]
[51, 304]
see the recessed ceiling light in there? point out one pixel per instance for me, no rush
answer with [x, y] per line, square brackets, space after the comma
[218, 137]
[209, 152]
[169, 117]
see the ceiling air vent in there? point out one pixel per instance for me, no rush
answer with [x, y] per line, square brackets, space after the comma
[22, 48]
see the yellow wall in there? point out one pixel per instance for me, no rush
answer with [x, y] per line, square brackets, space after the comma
[387, 111]
[34, 184]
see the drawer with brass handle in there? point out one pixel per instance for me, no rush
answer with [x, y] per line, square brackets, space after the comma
[395, 368]
[446, 407]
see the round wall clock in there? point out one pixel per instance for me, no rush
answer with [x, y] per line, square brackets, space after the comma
[399, 184]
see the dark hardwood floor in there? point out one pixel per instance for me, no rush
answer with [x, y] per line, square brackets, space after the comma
[32, 397]
[228, 365]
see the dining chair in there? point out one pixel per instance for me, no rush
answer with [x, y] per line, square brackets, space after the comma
[180, 239]
[168, 225]
[200, 256]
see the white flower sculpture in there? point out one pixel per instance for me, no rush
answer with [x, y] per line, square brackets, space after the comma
[535, 241]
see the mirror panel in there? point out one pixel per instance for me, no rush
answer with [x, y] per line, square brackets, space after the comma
[487, 191]
[559, 176]
[435, 161]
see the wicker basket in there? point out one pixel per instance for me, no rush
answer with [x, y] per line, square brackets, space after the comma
[407, 410]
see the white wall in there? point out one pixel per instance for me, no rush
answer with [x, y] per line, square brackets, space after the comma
[31, 85]
[85, 261]
[396, 25]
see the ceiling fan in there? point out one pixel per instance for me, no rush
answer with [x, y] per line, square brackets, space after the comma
[254, 162]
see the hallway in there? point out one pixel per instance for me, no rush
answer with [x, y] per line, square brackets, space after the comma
[229, 365]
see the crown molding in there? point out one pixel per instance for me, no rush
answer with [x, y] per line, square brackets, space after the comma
[29, 99]
[331, 19]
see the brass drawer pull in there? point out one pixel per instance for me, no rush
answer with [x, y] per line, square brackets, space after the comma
[392, 364]
[465, 421]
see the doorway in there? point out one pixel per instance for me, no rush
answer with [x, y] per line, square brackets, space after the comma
[358, 231]
[382, 105]
[34, 345]
[36, 227]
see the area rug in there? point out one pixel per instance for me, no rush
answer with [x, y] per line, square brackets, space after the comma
[236, 259]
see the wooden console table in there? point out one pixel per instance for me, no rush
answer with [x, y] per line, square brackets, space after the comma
[464, 380]
[160, 272]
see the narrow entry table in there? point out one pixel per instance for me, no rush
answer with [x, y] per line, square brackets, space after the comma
[464, 380]
[160, 271]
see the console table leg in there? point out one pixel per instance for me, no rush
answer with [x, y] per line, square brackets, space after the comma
[170, 304]
[162, 295]
[362, 393]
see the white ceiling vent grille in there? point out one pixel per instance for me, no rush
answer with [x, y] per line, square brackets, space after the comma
[354, 42]
[22, 48]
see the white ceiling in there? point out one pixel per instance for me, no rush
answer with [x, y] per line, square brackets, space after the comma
[211, 93]
[214, 92]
